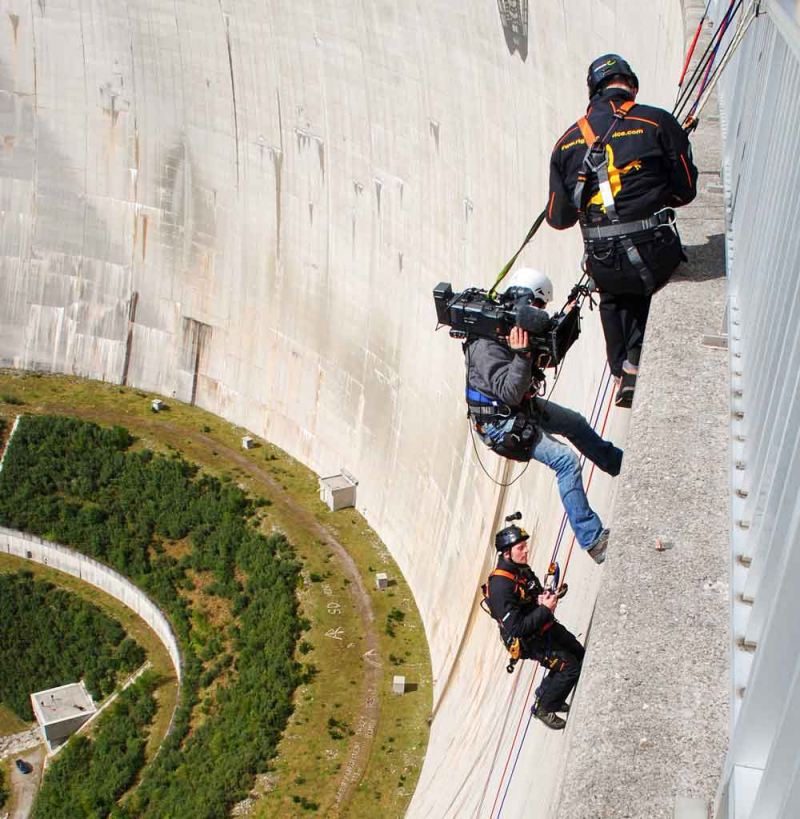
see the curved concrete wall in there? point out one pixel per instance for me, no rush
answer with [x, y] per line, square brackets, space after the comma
[96, 574]
[247, 204]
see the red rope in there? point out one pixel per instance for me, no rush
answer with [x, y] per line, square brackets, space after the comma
[691, 47]
[513, 741]
[591, 473]
[536, 665]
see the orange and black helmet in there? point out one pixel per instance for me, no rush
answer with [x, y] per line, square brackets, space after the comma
[604, 68]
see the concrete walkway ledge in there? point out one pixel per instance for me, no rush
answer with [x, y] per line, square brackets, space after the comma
[649, 726]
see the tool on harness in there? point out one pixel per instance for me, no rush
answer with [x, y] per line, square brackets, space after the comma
[516, 442]
[512, 534]
[595, 164]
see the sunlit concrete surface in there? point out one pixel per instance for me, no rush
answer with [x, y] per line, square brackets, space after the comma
[246, 205]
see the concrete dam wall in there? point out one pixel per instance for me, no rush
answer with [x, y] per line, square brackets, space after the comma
[245, 206]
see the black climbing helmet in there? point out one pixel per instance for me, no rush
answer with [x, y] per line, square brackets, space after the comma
[606, 67]
[508, 537]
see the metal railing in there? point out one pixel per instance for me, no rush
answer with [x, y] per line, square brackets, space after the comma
[760, 108]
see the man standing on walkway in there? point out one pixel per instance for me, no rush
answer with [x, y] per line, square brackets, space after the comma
[620, 171]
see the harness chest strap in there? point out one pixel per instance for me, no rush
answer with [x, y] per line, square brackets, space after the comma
[594, 144]
[520, 584]
[520, 587]
[600, 169]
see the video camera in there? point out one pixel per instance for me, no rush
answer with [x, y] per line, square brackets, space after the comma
[473, 313]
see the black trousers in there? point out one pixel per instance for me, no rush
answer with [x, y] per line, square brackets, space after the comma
[624, 319]
[624, 296]
[561, 656]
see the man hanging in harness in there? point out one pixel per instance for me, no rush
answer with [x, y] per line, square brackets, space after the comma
[502, 388]
[524, 612]
[621, 170]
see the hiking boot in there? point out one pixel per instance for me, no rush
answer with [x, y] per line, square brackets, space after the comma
[627, 386]
[563, 708]
[597, 551]
[550, 719]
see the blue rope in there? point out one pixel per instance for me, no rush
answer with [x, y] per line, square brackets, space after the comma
[514, 767]
[599, 410]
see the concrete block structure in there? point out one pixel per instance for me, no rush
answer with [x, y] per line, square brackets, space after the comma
[337, 491]
[398, 684]
[61, 711]
[248, 442]
[381, 581]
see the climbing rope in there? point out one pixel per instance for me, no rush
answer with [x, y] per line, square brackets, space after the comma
[502, 274]
[738, 36]
[691, 48]
[537, 665]
[705, 73]
[594, 417]
[702, 64]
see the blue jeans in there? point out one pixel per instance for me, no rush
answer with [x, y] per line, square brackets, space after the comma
[558, 420]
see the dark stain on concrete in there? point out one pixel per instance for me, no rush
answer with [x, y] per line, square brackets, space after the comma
[14, 18]
[434, 126]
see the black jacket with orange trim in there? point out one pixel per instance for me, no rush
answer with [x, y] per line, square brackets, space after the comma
[651, 163]
[513, 604]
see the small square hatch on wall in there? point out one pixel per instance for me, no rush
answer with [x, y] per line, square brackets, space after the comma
[338, 491]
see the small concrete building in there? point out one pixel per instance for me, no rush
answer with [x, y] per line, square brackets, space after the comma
[381, 581]
[157, 405]
[398, 684]
[247, 442]
[61, 711]
[338, 491]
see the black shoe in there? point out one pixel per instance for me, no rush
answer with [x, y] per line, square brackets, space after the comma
[550, 719]
[627, 387]
[563, 708]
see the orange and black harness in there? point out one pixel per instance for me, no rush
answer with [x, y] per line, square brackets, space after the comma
[513, 644]
[595, 165]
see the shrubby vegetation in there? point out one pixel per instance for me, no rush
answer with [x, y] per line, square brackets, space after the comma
[76, 483]
[3, 790]
[392, 618]
[50, 637]
[89, 775]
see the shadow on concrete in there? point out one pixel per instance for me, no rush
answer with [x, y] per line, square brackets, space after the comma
[514, 17]
[706, 261]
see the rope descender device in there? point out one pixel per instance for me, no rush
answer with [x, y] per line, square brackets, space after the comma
[551, 581]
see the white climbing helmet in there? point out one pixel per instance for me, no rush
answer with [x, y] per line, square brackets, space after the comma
[534, 280]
